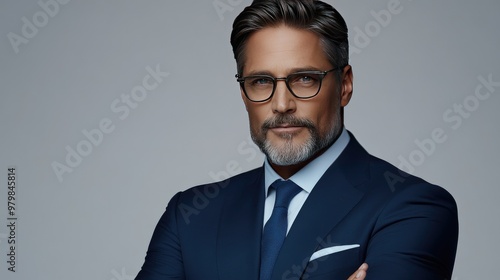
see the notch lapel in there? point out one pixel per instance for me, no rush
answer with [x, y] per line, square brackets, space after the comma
[331, 200]
[240, 228]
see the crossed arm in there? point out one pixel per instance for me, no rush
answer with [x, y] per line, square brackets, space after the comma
[415, 238]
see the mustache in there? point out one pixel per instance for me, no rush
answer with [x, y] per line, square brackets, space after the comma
[286, 119]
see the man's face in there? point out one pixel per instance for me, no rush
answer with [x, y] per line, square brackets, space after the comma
[289, 130]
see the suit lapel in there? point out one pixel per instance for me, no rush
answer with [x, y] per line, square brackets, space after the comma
[330, 201]
[240, 228]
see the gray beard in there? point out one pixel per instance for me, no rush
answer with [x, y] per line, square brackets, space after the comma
[289, 153]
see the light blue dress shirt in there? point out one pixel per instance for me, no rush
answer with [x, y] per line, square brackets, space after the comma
[306, 178]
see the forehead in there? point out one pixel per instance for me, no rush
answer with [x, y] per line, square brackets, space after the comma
[281, 49]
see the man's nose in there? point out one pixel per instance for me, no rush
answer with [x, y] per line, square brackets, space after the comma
[283, 100]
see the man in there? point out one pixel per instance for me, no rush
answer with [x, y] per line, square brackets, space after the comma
[320, 206]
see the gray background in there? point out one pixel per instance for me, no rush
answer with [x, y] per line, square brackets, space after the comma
[96, 222]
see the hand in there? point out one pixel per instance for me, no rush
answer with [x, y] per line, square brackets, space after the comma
[360, 274]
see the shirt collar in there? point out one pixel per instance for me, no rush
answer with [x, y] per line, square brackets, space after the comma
[310, 174]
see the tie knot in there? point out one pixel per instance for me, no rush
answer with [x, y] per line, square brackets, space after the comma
[285, 192]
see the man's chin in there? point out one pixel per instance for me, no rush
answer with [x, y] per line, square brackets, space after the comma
[286, 160]
[287, 153]
[285, 144]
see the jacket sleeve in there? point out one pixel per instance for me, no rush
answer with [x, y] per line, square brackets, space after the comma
[415, 236]
[164, 258]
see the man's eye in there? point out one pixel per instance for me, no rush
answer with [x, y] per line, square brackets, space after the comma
[261, 82]
[305, 79]
[309, 78]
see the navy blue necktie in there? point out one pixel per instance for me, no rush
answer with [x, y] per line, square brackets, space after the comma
[276, 227]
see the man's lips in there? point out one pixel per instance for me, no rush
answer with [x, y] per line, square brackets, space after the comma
[285, 128]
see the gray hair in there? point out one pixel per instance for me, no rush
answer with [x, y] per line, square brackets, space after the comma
[316, 16]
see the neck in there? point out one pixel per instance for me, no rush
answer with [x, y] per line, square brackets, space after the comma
[287, 171]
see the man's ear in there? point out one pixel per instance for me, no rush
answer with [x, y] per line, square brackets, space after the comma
[346, 86]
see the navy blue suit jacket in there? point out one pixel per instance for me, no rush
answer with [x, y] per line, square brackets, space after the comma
[405, 227]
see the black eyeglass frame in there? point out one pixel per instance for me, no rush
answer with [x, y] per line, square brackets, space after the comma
[275, 80]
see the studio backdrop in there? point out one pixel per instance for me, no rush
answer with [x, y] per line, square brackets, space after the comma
[108, 108]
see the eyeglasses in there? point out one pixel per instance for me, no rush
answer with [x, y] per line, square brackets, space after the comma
[302, 85]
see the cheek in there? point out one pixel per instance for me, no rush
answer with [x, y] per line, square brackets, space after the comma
[256, 117]
[324, 115]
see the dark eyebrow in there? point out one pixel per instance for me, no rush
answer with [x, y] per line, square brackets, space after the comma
[258, 73]
[291, 71]
[305, 69]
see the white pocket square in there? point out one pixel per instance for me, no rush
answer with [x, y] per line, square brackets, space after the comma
[332, 250]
